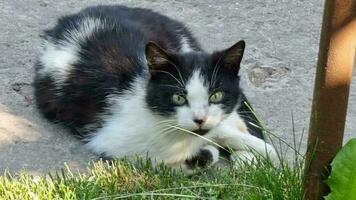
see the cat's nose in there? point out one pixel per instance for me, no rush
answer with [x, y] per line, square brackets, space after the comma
[199, 121]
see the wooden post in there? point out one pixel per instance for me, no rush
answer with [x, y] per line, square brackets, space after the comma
[331, 92]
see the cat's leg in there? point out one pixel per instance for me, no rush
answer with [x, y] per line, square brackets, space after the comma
[246, 146]
[233, 134]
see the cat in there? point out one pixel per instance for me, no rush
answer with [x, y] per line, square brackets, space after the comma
[132, 82]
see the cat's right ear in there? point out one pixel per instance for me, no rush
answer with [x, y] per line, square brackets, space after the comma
[232, 57]
[157, 58]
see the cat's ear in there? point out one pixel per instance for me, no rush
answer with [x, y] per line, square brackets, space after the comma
[232, 57]
[156, 57]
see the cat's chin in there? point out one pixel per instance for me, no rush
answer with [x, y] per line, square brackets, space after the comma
[201, 131]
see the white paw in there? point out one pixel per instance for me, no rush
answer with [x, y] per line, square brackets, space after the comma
[242, 158]
[252, 157]
[272, 155]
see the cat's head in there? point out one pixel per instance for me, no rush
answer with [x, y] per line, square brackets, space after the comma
[194, 91]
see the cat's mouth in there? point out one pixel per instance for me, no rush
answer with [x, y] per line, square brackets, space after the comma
[200, 131]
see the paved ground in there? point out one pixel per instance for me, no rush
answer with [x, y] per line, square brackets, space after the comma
[279, 66]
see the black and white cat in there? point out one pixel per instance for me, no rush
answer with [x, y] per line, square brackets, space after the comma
[133, 82]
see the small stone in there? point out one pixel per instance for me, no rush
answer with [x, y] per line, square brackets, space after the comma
[43, 4]
[25, 90]
[17, 86]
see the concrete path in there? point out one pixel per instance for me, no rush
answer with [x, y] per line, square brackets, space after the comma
[278, 68]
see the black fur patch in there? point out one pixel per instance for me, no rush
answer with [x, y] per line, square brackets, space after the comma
[225, 154]
[46, 99]
[201, 160]
[247, 115]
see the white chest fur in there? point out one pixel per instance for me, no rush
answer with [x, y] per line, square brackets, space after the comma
[133, 130]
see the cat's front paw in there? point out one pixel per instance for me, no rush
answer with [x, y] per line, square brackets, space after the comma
[242, 158]
[251, 157]
[272, 154]
[207, 156]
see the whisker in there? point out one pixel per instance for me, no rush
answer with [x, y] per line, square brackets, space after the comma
[181, 84]
[175, 66]
[167, 120]
[165, 129]
[164, 123]
[207, 139]
[172, 86]
[213, 76]
[168, 131]
[249, 118]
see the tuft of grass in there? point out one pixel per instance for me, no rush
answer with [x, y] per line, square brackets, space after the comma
[122, 179]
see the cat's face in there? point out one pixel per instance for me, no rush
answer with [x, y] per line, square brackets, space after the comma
[193, 91]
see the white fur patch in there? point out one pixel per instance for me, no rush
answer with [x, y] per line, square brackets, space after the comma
[133, 130]
[198, 108]
[197, 96]
[84, 30]
[185, 46]
[57, 59]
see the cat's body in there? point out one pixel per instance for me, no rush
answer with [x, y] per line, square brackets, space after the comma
[101, 75]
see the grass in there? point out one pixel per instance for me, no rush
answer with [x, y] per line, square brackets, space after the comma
[122, 179]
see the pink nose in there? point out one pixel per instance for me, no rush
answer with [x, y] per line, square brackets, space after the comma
[198, 121]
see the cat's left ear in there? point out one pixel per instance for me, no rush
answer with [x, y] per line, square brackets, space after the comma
[232, 57]
[157, 58]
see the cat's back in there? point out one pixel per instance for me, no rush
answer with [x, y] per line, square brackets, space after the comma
[109, 38]
[136, 27]
[168, 33]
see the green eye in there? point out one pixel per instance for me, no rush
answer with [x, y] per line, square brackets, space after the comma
[216, 97]
[178, 99]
